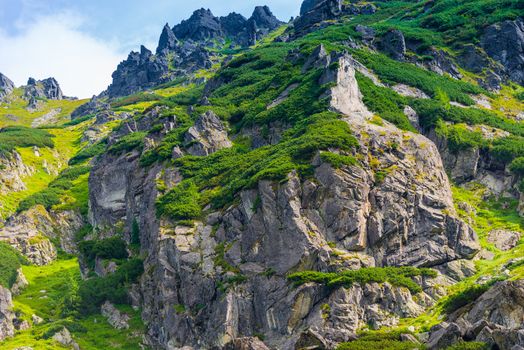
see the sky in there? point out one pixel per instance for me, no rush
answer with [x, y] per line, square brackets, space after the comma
[80, 42]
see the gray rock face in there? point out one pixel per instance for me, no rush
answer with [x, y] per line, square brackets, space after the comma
[308, 5]
[394, 44]
[322, 11]
[504, 42]
[6, 87]
[207, 136]
[202, 25]
[7, 316]
[167, 41]
[226, 275]
[494, 318]
[29, 233]
[12, 171]
[139, 71]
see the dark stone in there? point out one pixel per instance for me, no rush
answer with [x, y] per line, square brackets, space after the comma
[394, 44]
[309, 5]
[139, 71]
[504, 42]
[233, 24]
[323, 11]
[168, 40]
[473, 59]
[367, 33]
[202, 25]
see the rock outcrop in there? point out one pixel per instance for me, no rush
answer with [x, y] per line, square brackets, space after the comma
[30, 233]
[6, 87]
[43, 89]
[7, 316]
[504, 42]
[94, 106]
[12, 172]
[141, 70]
[394, 44]
[207, 136]
[495, 318]
[115, 318]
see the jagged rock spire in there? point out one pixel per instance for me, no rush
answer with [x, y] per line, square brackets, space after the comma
[167, 41]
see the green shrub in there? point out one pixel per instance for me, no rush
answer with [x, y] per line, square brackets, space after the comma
[21, 136]
[469, 346]
[464, 297]
[338, 160]
[397, 276]
[51, 195]
[459, 137]
[10, 262]
[517, 166]
[89, 152]
[137, 98]
[109, 248]
[387, 103]
[181, 203]
[392, 71]
[128, 143]
[95, 291]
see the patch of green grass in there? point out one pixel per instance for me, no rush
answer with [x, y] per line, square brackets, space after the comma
[387, 103]
[181, 203]
[397, 276]
[12, 137]
[338, 160]
[391, 71]
[128, 143]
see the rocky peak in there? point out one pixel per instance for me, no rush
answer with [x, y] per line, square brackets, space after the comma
[168, 40]
[264, 18]
[6, 86]
[233, 24]
[309, 5]
[202, 25]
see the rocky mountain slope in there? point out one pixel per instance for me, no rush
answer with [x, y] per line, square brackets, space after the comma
[352, 179]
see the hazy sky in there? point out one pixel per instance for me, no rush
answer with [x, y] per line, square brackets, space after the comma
[80, 42]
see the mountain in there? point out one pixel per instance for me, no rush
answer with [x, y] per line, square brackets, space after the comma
[352, 179]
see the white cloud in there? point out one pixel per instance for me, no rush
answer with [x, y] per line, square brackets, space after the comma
[55, 46]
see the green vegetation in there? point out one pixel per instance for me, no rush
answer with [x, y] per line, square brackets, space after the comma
[459, 137]
[89, 152]
[20, 136]
[51, 195]
[384, 101]
[387, 340]
[464, 297]
[397, 276]
[338, 160]
[391, 71]
[128, 143]
[93, 292]
[110, 248]
[181, 203]
[52, 295]
[517, 166]
[10, 261]
[221, 175]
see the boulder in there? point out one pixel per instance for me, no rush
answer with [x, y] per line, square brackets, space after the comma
[394, 44]
[504, 239]
[322, 11]
[115, 318]
[207, 136]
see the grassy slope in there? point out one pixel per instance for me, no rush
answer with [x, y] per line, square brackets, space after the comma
[45, 296]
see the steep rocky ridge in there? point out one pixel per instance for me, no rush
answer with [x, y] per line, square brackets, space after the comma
[188, 47]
